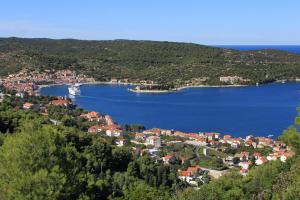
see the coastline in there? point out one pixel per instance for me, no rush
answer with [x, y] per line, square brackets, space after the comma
[156, 91]
[185, 87]
[144, 91]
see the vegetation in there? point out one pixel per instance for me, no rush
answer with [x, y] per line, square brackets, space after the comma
[43, 161]
[167, 63]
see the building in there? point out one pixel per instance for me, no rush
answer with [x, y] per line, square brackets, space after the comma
[245, 165]
[108, 120]
[232, 79]
[256, 155]
[154, 131]
[140, 136]
[113, 130]
[92, 116]
[227, 136]
[212, 136]
[27, 105]
[94, 129]
[285, 156]
[261, 160]
[244, 155]
[60, 102]
[121, 142]
[154, 141]
[168, 158]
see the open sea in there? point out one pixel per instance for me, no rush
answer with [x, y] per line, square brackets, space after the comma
[240, 111]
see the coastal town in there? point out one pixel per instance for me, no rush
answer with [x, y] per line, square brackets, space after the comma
[197, 156]
[30, 81]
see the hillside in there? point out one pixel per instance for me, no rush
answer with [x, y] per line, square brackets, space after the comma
[162, 62]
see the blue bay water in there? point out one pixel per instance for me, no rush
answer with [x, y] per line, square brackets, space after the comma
[289, 48]
[264, 110]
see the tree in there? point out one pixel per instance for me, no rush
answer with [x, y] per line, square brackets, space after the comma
[28, 167]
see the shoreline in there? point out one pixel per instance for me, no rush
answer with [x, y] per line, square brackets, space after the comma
[159, 91]
[144, 91]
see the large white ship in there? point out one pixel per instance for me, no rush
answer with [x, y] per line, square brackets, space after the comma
[74, 90]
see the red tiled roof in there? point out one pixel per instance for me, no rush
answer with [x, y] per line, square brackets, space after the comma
[193, 169]
[185, 173]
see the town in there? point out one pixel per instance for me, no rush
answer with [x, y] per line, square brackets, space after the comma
[197, 157]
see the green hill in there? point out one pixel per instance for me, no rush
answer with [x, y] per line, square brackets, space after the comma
[163, 62]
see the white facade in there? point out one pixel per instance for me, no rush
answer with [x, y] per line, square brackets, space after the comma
[154, 141]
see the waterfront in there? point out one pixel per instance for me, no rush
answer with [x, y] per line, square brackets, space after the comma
[264, 110]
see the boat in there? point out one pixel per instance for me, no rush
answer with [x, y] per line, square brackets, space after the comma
[77, 84]
[74, 90]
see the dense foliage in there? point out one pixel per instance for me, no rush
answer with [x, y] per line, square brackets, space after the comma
[43, 161]
[163, 62]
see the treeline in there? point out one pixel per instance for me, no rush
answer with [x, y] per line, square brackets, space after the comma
[43, 161]
[162, 62]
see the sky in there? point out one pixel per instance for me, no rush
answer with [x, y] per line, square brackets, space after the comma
[211, 22]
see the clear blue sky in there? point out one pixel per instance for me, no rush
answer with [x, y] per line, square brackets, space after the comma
[200, 21]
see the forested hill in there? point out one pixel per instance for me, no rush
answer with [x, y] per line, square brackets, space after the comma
[163, 62]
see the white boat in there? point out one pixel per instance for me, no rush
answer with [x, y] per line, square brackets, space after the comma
[73, 90]
[77, 84]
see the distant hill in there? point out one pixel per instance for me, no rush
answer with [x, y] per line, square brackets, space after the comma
[163, 62]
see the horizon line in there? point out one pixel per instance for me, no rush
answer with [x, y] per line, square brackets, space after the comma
[150, 40]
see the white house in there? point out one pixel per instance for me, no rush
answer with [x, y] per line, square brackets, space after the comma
[154, 141]
[245, 165]
[261, 160]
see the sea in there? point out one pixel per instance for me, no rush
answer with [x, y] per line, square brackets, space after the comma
[264, 110]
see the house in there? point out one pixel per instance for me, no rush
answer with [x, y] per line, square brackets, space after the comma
[154, 141]
[193, 170]
[108, 120]
[121, 142]
[244, 172]
[92, 116]
[60, 102]
[114, 80]
[256, 155]
[154, 131]
[273, 156]
[212, 136]
[261, 160]
[94, 129]
[265, 141]
[285, 156]
[235, 144]
[168, 158]
[27, 105]
[276, 148]
[185, 176]
[20, 94]
[232, 79]
[113, 130]
[140, 136]
[244, 155]
[227, 136]
[245, 165]
[202, 141]
[189, 175]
